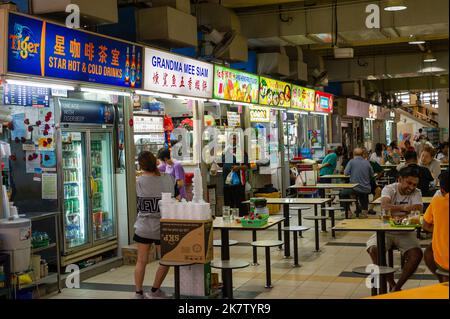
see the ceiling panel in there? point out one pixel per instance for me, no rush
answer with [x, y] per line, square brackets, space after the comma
[254, 3]
[417, 30]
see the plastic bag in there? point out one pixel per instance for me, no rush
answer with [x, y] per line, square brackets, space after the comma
[235, 180]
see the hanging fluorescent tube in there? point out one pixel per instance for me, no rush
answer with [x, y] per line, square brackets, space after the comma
[181, 97]
[161, 95]
[100, 91]
[221, 101]
[244, 104]
[370, 119]
[41, 85]
[294, 111]
[318, 113]
[278, 108]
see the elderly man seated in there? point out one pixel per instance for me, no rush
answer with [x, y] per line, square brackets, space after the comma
[360, 172]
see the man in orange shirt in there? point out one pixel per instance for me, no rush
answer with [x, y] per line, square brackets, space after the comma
[436, 221]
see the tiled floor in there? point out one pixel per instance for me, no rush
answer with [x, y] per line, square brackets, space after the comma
[324, 275]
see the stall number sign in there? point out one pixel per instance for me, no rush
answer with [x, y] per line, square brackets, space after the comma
[259, 114]
[175, 74]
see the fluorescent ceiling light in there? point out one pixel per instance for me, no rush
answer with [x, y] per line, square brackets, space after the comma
[221, 101]
[242, 103]
[370, 119]
[41, 85]
[100, 91]
[429, 57]
[416, 42]
[318, 113]
[161, 95]
[278, 108]
[394, 5]
[181, 97]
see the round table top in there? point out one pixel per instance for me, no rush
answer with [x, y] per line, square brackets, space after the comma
[267, 243]
[218, 242]
[382, 270]
[315, 217]
[229, 264]
[295, 228]
[176, 263]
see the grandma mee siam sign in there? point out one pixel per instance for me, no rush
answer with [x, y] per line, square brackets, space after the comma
[175, 74]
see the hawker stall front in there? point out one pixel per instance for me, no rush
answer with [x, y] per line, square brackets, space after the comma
[235, 93]
[168, 120]
[64, 92]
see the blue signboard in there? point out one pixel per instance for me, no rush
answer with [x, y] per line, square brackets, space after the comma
[86, 112]
[26, 95]
[45, 49]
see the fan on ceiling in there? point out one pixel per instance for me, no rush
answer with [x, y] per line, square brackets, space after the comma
[216, 43]
[320, 78]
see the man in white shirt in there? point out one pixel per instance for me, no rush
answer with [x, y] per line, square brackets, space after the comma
[401, 199]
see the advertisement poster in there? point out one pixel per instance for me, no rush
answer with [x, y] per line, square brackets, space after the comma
[45, 49]
[235, 85]
[86, 112]
[274, 93]
[48, 161]
[315, 138]
[175, 74]
[259, 114]
[302, 98]
[373, 111]
[234, 119]
[49, 186]
[324, 102]
[19, 131]
[33, 161]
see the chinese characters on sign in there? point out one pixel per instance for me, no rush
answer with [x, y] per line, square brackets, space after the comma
[170, 73]
[274, 93]
[302, 98]
[235, 85]
[45, 49]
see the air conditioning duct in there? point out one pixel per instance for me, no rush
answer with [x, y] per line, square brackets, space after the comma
[273, 63]
[92, 12]
[174, 28]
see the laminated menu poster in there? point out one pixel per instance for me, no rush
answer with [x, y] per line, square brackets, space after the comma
[235, 85]
[302, 98]
[274, 93]
[49, 186]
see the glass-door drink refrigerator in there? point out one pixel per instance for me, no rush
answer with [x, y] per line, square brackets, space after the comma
[86, 138]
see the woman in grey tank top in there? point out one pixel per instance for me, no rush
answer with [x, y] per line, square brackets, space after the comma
[149, 187]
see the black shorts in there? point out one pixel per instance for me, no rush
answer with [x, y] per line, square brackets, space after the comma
[142, 240]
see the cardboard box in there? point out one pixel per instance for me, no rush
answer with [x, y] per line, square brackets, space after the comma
[129, 254]
[195, 280]
[186, 240]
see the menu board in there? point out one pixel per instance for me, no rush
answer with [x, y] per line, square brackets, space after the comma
[259, 114]
[234, 119]
[26, 95]
[235, 85]
[323, 102]
[274, 93]
[148, 124]
[302, 98]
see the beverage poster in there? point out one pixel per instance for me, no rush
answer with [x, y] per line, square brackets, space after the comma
[302, 98]
[274, 93]
[45, 49]
[234, 85]
[315, 138]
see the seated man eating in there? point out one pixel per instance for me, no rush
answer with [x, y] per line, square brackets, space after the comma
[401, 199]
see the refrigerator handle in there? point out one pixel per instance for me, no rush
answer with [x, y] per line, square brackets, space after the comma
[92, 184]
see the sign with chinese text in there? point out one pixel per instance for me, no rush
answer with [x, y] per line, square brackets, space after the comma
[235, 85]
[174, 74]
[323, 102]
[302, 98]
[274, 93]
[45, 49]
[259, 114]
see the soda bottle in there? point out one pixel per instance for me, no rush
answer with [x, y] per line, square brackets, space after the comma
[127, 67]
